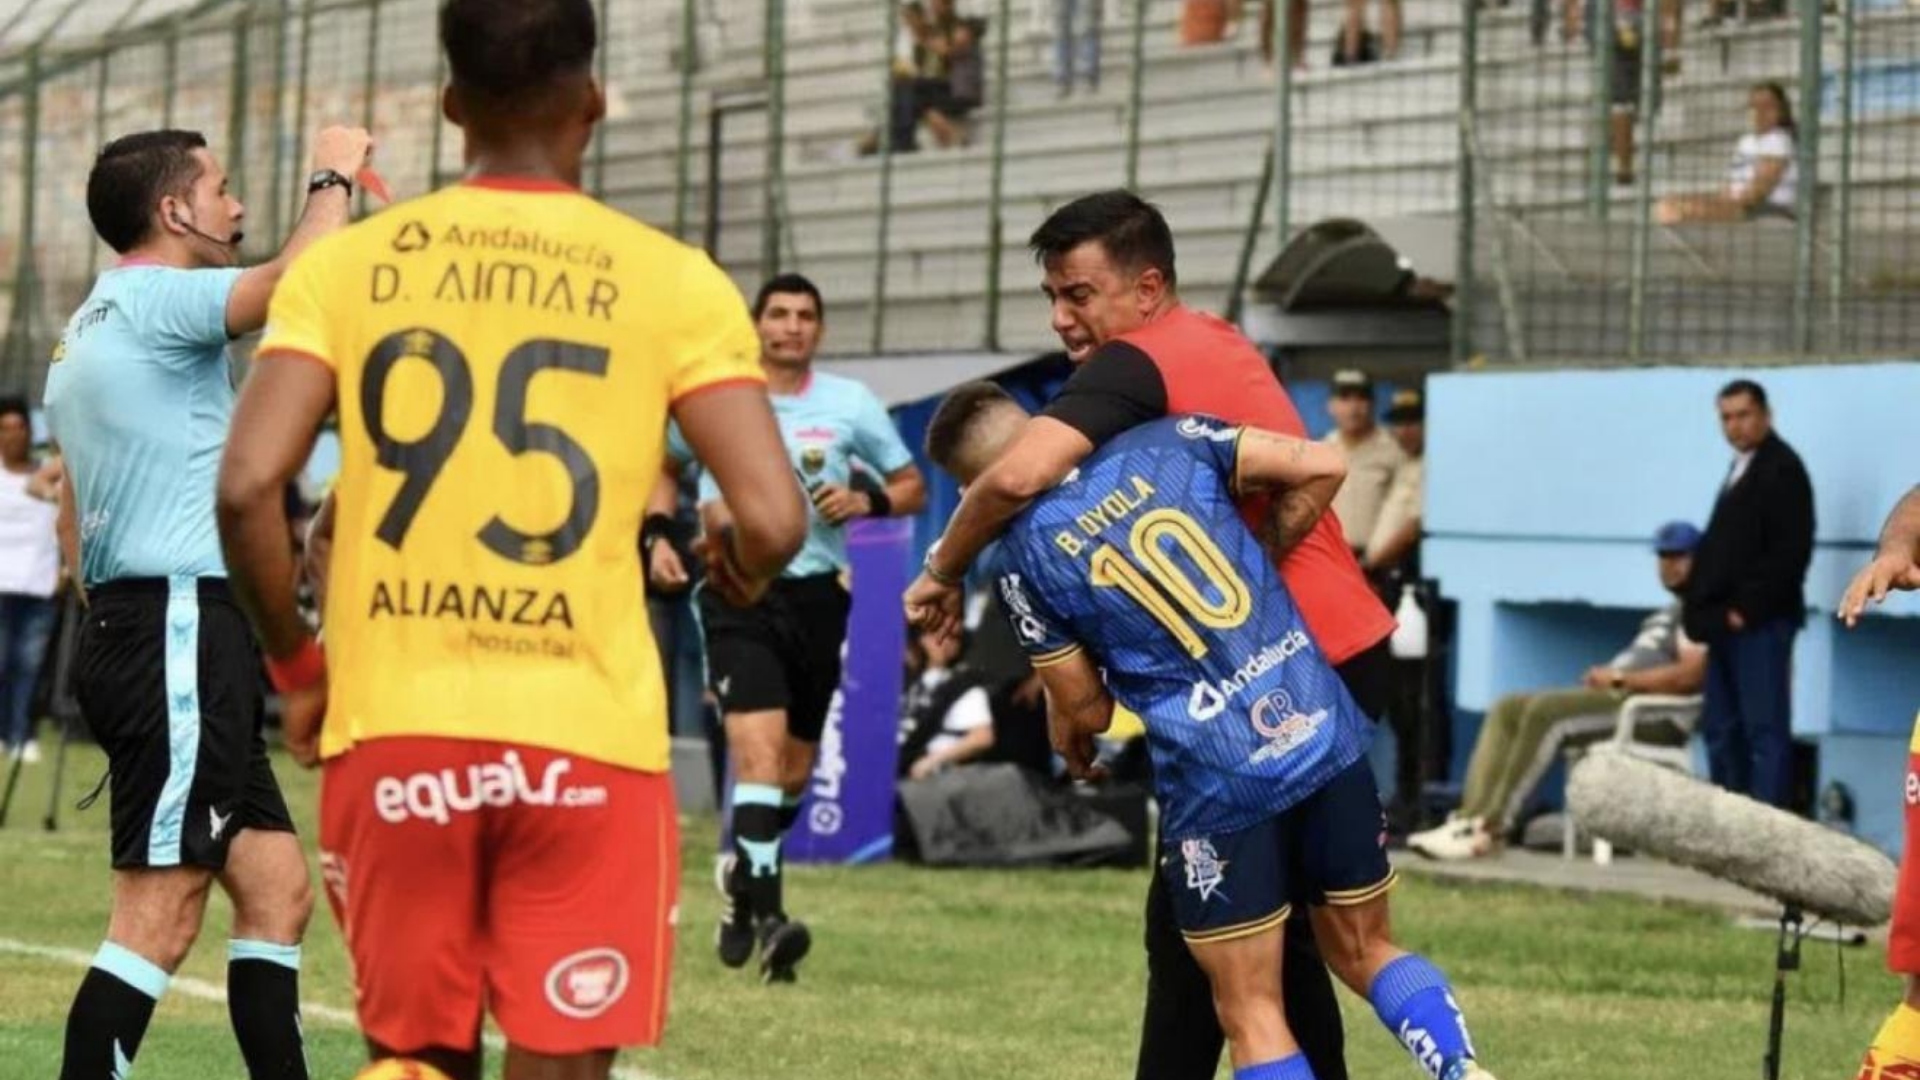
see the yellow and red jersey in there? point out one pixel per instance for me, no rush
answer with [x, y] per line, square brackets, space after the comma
[505, 354]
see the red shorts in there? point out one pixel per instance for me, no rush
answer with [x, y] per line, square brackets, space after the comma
[1903, 939]
[469, 875]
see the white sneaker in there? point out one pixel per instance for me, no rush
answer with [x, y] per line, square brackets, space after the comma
[1460, 838]
[30, 753]
[1416, 840]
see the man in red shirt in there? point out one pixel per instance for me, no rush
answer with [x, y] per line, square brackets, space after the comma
[1141, 354]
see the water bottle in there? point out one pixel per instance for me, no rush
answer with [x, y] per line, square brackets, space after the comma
[1409, 640]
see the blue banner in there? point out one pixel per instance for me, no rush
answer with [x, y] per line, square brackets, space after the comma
[848, 813]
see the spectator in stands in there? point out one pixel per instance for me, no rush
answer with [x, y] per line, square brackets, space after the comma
[1624, 77]
[946, 112]
[1763, 179]
[1374, 458]
[1076, 44]
[29, 575]
[1747, 599]
[946, 718]
[942, 47]
[1624, 85]
[1203, 22]
[1525, 734]
[1358, 44]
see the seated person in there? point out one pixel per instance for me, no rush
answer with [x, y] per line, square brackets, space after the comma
[947, 718]
[923, 80]
[947, 105]
[1763, 180]
[1019, 704]
[1526, 733]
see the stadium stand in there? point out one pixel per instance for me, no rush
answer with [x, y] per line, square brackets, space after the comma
[1380, 142]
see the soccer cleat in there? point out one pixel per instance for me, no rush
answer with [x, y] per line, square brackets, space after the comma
[783, 944]
[734, 940]
[1468, 1070]
[1459, 838]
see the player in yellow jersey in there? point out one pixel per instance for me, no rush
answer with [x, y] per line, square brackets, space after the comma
[497, 822]
[1895, 1052]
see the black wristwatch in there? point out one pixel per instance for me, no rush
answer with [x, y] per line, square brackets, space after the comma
[323, 179]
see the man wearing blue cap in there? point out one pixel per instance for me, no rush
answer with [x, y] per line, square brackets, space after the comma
[1526, 733]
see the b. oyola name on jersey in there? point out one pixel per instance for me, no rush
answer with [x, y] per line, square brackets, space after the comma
[1112, 508]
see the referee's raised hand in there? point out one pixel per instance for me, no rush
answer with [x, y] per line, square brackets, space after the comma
[344, 150]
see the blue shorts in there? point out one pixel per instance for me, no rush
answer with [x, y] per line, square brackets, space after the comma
[1330, 849]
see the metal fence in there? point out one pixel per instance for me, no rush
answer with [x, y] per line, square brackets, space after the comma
[1566, 166]
[1619, 154]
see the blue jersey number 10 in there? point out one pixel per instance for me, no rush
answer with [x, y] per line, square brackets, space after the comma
[1177, 603]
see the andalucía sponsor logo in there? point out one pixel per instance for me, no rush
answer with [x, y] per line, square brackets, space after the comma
[1209, 700]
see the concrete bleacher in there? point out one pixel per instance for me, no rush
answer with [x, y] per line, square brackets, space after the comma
[1378, 142]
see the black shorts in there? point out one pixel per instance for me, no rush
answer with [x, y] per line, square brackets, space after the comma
[169, 679]
[1624, 78]
[782, 653]
[1328, 850]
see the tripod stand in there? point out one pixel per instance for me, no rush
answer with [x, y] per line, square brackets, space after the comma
[1786, 959]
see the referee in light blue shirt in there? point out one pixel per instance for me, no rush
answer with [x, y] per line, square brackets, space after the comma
[167, 673]
[774, 666]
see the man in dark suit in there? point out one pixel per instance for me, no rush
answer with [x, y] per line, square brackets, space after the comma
[1746, 599]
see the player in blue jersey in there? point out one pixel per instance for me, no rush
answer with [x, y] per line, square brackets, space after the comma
[775, 666]
[1139, 565]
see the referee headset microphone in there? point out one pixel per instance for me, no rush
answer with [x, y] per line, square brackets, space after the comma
[182, 223]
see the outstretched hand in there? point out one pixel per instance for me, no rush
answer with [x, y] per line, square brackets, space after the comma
[1871, 585]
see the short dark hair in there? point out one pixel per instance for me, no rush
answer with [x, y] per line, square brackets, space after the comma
[954, 420]
[16, 405]
[130, 177]
[788, 283]
[1131, 229]
[1748, 387]
[508, 51]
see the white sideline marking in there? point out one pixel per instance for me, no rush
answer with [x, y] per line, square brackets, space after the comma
[206, 991]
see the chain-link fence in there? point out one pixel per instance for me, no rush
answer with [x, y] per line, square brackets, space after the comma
[1734, 181]
[1593, 179]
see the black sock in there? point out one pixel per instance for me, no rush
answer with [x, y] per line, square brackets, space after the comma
[263, 1001]
[789, 813]
[110, 1014]
[756, 844]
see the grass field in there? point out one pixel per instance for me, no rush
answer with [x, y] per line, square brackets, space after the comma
[930, 974]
